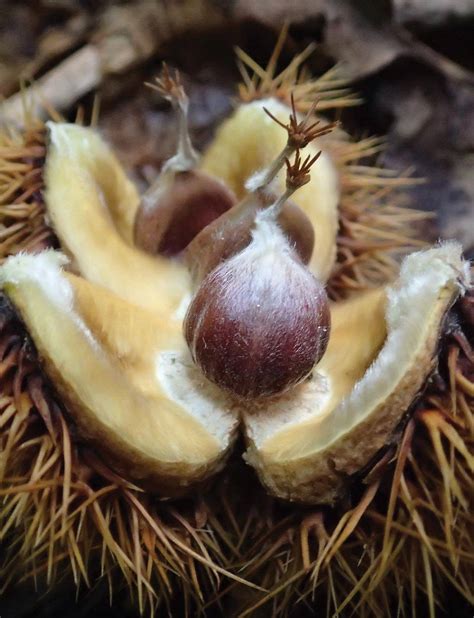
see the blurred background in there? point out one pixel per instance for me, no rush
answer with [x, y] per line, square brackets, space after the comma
[410, 61]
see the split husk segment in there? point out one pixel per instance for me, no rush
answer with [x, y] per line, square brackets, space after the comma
[382, 349]
[101, 354]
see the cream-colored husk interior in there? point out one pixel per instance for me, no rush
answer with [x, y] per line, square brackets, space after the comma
[92, 206]
[114, 362]
[248, 142]
[372, 345]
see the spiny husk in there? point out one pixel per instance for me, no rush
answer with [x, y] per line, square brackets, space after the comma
[331, 89]
[404, 537]
[23, 224]
[376, 228]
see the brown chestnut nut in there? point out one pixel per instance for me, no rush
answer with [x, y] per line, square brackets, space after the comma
[182, 200]
[168, 222]
[232, 232]
[260, 321]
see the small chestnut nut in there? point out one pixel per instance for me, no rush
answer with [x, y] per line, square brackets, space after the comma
[232, 232]
[169, 218]
[182, 200]
[260, 321]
